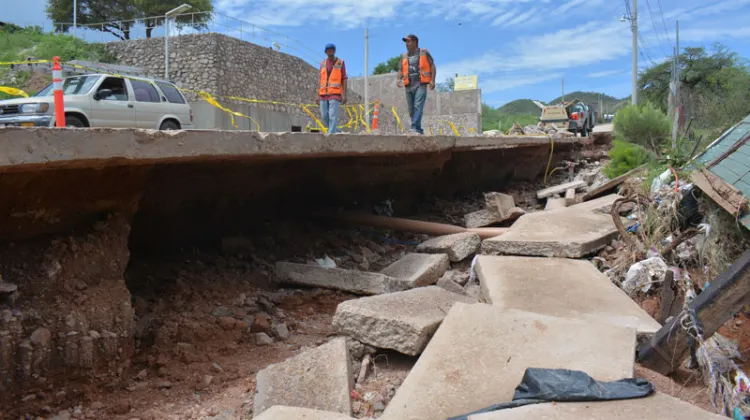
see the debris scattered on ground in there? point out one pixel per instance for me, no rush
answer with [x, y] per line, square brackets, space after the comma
[560, 189]
[498, 208]
[318, 378]
[403, 321]
[418, 270]
[458, 246]
[353, 281]
[643, 274]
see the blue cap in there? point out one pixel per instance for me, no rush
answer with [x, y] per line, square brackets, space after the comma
[330, 46]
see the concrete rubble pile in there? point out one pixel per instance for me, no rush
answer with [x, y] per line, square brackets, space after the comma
[531, 130]
[533, 293]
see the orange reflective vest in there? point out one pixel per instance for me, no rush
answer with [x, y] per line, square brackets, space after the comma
[330, 84]
[425, 71]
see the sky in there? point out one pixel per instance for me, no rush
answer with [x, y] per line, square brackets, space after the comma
[517, 48]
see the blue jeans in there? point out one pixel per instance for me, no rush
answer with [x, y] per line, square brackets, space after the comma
[329, 115]
[415, 99]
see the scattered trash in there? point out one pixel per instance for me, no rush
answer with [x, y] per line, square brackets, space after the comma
[642, 275]
[326, 262]
[660, 181]
[562, 385]
[472, 270]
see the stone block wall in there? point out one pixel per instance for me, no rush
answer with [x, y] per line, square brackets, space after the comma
[226, 66]
[462, 108]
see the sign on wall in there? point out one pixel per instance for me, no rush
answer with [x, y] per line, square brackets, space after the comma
[466, 83]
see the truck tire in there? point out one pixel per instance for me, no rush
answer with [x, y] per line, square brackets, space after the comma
[169, 125]
[73, 121]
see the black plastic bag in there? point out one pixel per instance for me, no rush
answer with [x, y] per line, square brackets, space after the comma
[562, 385]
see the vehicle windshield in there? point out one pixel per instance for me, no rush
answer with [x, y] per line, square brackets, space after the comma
[78, 85]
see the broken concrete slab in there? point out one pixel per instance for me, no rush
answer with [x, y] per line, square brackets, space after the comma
[487, 217]
[559, 287]
[555, 203]
[448, 283]
[600, 205]
[500, 204]
[570, 196]
[319, 378]
[358, 282]
[458, 246]
[402, 321]
[418, 270]
[560, 189]
[480, 218]
[480, 353]
[657, 406]
[279, 412]
[566, 233]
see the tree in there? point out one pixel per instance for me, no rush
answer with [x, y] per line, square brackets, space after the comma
[153, 13]
[392, 65]
[713, 87]
[696, 70]
[118, 17]
[447, 86]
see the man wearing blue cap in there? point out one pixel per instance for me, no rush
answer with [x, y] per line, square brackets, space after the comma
[332, 89]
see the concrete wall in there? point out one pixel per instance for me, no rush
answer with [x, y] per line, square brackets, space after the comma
[463, 108]
[225, 66]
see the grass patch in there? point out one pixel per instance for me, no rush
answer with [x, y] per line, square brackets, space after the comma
[20, 44]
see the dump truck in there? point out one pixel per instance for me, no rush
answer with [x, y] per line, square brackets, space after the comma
[575, 116]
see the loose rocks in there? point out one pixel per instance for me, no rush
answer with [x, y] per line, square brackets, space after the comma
[358, 282]
[319, 379]
[458, 246]
[418, 270]
[403, 321]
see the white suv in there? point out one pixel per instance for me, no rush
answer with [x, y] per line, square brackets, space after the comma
[100, 100]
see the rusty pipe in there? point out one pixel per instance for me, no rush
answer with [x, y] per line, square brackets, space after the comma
[409, 225]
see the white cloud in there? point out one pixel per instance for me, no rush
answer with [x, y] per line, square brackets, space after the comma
[355, 13]
[579, 46]
[604, 73]
[706, 9]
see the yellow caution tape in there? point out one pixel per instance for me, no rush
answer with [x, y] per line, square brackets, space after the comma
[398, 120]
[317, 121]
[210, 99]
[361, 118]
[13, 91]
[18, 63]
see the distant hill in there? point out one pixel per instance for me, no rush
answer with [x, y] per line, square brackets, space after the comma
[609, 103]
[520, 106]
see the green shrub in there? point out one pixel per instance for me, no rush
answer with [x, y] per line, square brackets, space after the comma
[644, 125]
[625, 157]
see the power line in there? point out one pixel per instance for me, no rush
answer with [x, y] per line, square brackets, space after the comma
[653, 24]
[664, 22]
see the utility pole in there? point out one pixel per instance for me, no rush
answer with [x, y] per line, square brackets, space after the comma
[367, 70]
[563, 90]
[676, 120]
[677, 65]
[75, 17]
[634, 21]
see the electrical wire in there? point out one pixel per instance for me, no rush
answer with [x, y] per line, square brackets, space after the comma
[664, 22]
[653, 25]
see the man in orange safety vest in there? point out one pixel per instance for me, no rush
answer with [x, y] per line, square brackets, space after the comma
[416, 73]
[332, 89]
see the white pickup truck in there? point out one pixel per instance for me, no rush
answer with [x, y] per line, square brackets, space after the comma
[100, 100]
